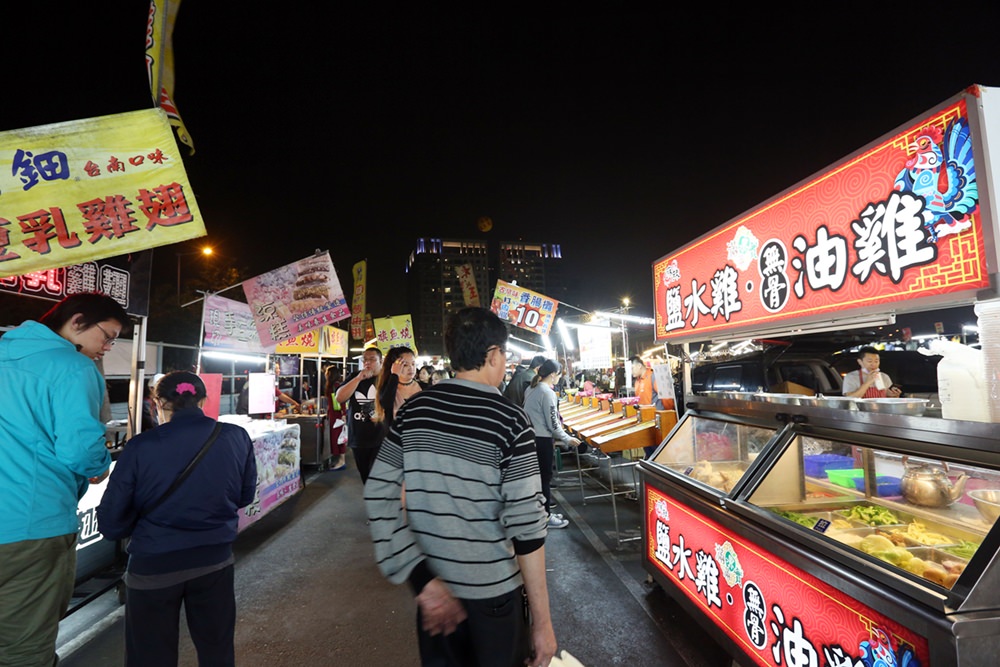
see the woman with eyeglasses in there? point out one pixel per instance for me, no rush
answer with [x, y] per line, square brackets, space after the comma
[52, 442]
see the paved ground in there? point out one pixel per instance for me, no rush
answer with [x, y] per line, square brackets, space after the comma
[308, 592]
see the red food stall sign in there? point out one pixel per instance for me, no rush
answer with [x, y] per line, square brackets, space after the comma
[896, 223]
[777, 613]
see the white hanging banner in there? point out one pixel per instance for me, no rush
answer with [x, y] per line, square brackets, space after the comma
[595, 347]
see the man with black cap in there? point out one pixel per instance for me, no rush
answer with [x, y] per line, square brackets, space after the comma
[521, 380]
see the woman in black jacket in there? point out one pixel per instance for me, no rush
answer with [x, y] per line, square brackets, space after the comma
[180, 549]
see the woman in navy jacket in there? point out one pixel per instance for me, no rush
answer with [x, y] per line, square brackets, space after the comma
[181, 551]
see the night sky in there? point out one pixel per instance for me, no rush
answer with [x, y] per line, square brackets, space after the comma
[621, 135]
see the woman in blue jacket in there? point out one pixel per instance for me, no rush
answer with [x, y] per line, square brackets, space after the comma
[51, 444]
[181, 547]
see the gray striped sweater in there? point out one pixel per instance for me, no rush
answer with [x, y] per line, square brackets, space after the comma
[467, 458]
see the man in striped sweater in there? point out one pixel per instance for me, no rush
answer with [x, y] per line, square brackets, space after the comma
[470, 541]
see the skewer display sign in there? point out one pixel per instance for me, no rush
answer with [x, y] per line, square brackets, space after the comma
[296, 298]
[524, 308]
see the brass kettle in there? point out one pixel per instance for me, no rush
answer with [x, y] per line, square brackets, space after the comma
[928, 486]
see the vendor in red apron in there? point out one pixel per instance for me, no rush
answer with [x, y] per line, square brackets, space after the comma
[868, 381]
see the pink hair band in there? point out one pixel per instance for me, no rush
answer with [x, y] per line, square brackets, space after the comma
[186, 388]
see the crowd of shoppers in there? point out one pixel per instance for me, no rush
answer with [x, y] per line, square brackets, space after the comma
[457, 487]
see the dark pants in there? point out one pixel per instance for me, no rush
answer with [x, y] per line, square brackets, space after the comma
[364, 459]
[36, 584]
[544, 447]
[495, 634]
[337, 448]
[152, 620]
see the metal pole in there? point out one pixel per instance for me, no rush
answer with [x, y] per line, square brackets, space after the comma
[138, 380]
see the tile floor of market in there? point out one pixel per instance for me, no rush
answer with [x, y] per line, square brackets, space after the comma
[308, 592]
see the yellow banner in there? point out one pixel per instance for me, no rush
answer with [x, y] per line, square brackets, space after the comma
[88, 189]
[334, 341]
[160, 62]
[396, 331]
[301, 344]
[524, 308]
[328, 340]
[360, 272]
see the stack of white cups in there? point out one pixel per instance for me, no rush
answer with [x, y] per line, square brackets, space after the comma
[988, 313]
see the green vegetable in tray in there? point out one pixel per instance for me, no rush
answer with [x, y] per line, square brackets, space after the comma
[964, 549]
[800, 519]
[873, 516]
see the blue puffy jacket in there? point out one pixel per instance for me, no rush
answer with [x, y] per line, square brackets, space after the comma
[197, 524]
[51, 435]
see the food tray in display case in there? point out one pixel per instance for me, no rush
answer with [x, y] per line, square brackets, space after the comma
[903, 506]
[714, 451]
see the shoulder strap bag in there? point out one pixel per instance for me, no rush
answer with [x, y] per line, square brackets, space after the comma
[185, 473]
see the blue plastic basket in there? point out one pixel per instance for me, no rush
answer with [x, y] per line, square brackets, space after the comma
[887, 486]
[816, 465]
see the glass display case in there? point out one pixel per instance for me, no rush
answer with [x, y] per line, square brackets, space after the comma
[846, 527]
[924, 517]
[714, 451]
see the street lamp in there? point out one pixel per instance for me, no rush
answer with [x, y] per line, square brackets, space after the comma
[205, 251]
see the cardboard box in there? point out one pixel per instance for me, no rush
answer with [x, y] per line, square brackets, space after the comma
[791, 388]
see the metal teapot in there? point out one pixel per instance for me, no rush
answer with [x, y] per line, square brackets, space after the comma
[928, 486]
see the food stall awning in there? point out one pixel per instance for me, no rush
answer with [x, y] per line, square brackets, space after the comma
[905, 224]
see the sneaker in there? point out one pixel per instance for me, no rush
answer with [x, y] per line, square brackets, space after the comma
[556, 521]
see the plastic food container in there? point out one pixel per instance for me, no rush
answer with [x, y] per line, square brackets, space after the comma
[886, 486]
[847, 477]
[816, 465]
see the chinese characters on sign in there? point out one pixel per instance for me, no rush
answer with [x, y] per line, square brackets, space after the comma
[229, 325]
[360, 272]
[278, 473]
[125, 279]
[334, 342]
[779, 615]
[524, 308]
[295, 299]
[896, 223]
[84, 190]
[303, 343]
[467, 279]
[393, 332]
